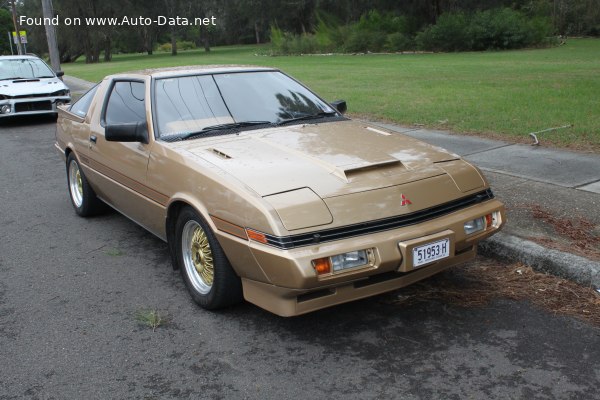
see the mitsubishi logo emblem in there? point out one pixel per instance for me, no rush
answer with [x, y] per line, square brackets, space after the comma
[405, 201]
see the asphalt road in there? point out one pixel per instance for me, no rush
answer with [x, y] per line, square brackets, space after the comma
[70, 290]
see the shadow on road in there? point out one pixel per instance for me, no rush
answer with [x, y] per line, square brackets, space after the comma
[26, 120]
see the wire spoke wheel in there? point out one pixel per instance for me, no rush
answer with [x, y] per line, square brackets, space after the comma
[206, 271]
[197, 257]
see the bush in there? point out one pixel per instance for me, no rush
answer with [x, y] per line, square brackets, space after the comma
[373, 32]
[373, 21]
[360, 40]
[542, 31]
[286, 43]
[398, 42]
[501, 28]
[181, 45]
[328, 34]
[277, 38]
[451, 33]
[165, 47]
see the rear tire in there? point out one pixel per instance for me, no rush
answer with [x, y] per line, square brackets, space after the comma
[84, 199]
[206, 272]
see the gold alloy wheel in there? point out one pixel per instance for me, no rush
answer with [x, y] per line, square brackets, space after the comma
[197, 257]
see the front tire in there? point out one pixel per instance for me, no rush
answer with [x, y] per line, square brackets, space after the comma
[84, 199]
[206, 272]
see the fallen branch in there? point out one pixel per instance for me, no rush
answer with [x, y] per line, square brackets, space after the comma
[535, 139]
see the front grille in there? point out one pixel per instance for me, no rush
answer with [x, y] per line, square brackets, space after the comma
[33, 106]
[363, 228]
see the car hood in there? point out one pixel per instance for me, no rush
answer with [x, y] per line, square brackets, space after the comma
[332, 159]
[21, 87]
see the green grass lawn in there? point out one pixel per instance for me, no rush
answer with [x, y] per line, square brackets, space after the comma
[500, 94]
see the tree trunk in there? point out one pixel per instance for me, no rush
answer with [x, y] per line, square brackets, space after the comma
[107, 50]
[173, 42]
[149, 45]
[204, 38]
[438, 10]
[256, 32]
[87, 48]
[148, 40]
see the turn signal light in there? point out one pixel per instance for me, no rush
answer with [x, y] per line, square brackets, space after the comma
[256, 236]
[322, 265]
[489, 220]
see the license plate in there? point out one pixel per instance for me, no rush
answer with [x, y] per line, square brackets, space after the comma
[431, 252]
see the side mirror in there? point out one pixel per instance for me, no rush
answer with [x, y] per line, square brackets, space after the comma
[130, 132]
[60, 74]
[340, 105]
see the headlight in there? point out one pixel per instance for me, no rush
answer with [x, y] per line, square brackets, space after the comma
[474, 225]
[486, 222]
[352, 259]
[65, 92]
[342, 262]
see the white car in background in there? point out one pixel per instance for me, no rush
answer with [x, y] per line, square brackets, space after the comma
[29, 86]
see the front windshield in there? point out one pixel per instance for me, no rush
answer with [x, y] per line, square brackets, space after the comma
[192, 103]
[26, 68]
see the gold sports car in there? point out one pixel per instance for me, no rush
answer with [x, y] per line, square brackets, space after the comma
[264, 191]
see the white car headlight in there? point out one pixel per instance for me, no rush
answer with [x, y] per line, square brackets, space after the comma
[341, 262]
[349, 260]
[475, 225]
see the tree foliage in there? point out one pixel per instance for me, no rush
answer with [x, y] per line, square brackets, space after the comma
[6, 25]
[351, 25]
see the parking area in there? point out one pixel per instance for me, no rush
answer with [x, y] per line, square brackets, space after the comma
[74, 294]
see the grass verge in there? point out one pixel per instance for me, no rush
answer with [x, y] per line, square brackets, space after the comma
[500, 94]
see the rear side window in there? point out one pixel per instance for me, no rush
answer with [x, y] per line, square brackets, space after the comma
[126, 103]
[81, 106]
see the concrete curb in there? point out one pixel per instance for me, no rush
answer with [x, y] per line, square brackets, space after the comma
[565, 265]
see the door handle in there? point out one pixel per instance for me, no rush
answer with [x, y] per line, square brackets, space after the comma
[93, 138]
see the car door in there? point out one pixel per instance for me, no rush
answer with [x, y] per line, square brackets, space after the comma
[122, 166]
[73, 127]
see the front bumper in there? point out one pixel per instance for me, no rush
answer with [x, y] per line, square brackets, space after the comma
[292, 286]
[31, 105]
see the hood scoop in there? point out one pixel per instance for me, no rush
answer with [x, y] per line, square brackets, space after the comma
[221, 153]
[390, 167]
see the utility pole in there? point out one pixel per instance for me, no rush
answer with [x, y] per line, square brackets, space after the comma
[17, 28]
[51, 35]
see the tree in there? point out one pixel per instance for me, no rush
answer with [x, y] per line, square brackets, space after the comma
[6, 25]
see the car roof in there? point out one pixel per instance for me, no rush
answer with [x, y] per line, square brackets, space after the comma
[193, 70]
[18, 57]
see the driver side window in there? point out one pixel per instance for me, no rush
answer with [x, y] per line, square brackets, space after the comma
[126, 103]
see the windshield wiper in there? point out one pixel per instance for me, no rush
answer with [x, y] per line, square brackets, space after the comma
[322, 114]
[219, 127]
[45, 76]
[13, 77]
